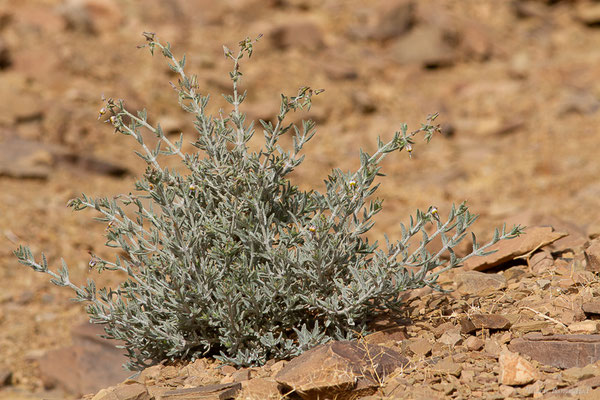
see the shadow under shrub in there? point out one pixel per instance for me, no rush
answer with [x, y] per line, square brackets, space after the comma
[234, 261]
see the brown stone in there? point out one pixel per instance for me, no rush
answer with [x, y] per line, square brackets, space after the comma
[298, 35]
[575, 374]
[534, 238]
[260, 389]
[529, 326]
[540, 262]
[421, 347]
[90, 364]
[473, 343]
[451, 338]
[490, 321]
[448, 366]
[241, 375]
[334, 368]
[586, 327]
[134, 391]
[475, 282]
[592, 256]
[515, 370]
[394, 334]
[591, 307]
[562, 351]
[466, 326]
[208, 392]
[426, 45]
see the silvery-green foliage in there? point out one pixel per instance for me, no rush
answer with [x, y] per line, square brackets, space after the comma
[233, 260]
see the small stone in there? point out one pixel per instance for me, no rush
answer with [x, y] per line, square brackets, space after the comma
[515, 370]
[297, 35]
[426, 45]
[217, 391]
[451, 338]
[592, 256]
[316, 372]
[490, 321]
[227, 370]
[466, 326]
[475, 282]
[421, 347]
[473, 343]
[134, 391]
[540, 262]
[575, 374]
[591, 307]
[529, 326]
[506, 391]
[543, 283]
[586, 327]
[492, 347]
[241, 375]
[259, 389]
[443, 328]
[506, 250]
[448, 366]
[561, 351]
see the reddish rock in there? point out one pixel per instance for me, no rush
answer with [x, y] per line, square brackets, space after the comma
[297, 35]
[394, 334]
[260, 389]
[421, 347]
[133, 391]
[466, 326]
[515, 370]
[490, 321]
[540, 262]
[585, 327]
[562, 351]
[475, 282]
[90, 364]
[473, 343]
[506, 250]
[208, 392]
[339, 367]
[592, 256]
[591, 307]
[426, 45]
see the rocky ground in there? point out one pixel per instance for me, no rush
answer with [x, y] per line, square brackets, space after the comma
[517, 87]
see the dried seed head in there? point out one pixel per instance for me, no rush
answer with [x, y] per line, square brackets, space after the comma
[151, 186]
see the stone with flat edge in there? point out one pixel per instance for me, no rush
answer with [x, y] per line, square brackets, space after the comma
[339, 368]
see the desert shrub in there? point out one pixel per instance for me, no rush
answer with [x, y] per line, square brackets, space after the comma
[231, 259]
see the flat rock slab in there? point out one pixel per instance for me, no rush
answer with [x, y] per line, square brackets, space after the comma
[561, 351]
[490, 321]
[339, 367]
[209, 392]
[534, 238]
[87, 366]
